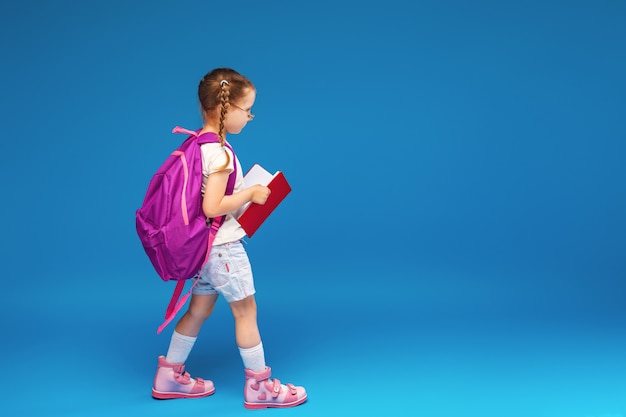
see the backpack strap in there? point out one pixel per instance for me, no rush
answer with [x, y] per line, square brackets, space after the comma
[211, 137]
[176, 302]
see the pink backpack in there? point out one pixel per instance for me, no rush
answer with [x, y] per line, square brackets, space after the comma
[171, 225]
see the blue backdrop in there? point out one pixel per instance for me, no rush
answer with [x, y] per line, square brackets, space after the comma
[453, 245]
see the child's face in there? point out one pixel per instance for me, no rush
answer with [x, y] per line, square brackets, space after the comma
[239, 113]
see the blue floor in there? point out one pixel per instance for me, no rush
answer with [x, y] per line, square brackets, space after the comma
[441, 352]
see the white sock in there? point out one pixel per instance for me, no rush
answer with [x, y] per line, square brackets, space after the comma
[253, 358]
[180, 347]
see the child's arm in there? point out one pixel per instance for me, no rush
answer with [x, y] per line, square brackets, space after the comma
[217, 203]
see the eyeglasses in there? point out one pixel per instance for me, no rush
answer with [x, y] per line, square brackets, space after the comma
[250, 115]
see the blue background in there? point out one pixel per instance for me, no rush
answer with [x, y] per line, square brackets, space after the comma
[453, 245]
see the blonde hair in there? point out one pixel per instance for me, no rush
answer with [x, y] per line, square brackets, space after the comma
[217, 88]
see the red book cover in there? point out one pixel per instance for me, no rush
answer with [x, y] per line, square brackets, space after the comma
[253, 215]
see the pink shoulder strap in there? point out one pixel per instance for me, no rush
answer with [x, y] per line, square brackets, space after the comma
[179, 129]
[176, 303]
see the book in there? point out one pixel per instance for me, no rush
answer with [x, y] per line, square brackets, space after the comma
[253, 215]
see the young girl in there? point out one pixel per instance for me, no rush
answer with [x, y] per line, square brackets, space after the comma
[226, 98]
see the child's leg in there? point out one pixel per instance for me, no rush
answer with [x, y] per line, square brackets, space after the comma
[260, 390]
[171, 379]
[200, 308]
[188, 327]
[247, 333]
[246, 328]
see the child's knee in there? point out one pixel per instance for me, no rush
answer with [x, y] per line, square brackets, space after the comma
[201, 312]
[245, 308]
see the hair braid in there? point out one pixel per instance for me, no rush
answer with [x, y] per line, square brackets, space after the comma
[224, 104]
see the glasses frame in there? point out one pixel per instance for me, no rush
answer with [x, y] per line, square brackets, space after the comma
[250, 115]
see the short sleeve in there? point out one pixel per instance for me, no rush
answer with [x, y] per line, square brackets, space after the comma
[214, 158]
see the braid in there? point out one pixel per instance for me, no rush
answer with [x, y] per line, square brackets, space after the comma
[224, 103]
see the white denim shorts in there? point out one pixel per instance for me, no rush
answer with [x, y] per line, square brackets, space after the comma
[228, 272]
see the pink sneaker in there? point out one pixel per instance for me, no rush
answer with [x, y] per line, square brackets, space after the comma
[171, 381]
[262, 392]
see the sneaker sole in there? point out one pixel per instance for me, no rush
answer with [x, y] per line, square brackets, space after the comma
[258, 406]
[174, 395]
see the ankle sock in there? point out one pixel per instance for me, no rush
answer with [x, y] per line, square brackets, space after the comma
[180, 347]
[253, 358]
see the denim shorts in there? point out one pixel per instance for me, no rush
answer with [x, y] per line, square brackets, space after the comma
[228, 272]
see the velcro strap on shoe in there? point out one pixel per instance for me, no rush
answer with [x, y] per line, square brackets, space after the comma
[198, 387]
[184, 378]
[273, 387]
[263, 375]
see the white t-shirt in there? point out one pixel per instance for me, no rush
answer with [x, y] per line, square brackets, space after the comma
[213, 158]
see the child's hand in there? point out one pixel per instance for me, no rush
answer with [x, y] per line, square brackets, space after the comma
[260, 194]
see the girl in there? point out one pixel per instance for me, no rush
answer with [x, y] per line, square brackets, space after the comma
[226, 98]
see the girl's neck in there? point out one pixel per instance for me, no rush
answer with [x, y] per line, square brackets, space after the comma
[208, 128]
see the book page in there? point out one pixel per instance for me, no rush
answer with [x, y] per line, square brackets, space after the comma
[257, 175]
